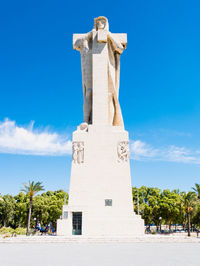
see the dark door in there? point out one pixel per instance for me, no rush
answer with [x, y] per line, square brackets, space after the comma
[77, 223]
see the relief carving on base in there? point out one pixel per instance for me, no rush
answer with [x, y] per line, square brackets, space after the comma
[123, 151]
[78, 152]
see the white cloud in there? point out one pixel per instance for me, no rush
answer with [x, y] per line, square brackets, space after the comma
[183, 155]
[25, 140]
[142, 151]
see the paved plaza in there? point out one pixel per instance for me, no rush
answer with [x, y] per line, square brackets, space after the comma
[54, 251]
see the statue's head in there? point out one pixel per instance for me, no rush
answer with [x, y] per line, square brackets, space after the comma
[101, 23]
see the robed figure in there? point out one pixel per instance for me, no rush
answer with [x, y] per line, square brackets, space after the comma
[116, 43]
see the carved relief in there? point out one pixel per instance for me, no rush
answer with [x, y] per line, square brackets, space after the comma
[123, 151]
[78, 152]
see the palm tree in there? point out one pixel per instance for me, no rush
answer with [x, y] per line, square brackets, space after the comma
[190, 200]
[31, 189]
[197, 190]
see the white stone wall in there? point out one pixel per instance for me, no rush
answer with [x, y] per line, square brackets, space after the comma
[102, 176]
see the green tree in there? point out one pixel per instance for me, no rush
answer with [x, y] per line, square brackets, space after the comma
[196, 216]
[31, 189]
[21, 210]
[148, 204]
[47, 207]
[197, 190]
[154, 202]
[190, 200]
[170, 203]
[7, 210]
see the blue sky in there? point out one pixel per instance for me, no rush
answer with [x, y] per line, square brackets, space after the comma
[41, 90]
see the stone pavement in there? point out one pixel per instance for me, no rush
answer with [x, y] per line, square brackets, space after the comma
[175, 238]
[142, 253]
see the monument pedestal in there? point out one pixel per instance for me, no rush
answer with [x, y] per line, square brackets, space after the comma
[100, 196]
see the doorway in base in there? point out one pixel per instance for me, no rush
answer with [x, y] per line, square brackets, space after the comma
[77, 223]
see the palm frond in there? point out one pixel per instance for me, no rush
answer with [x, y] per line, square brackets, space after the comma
[32, 188]
[197, 190]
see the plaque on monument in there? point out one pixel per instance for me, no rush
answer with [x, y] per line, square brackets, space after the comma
[100, 194]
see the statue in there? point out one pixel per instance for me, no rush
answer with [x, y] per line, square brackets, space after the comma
[116, 43]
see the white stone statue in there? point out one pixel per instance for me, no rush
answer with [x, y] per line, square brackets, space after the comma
[88, 45]
[100, 193]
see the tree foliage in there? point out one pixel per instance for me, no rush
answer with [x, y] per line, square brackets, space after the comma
[46, 208]
[197, 190]
[7, 210]
[167, 206]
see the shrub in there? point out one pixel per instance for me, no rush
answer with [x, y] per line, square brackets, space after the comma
[6, 230]
[9, 230]
[20, 231]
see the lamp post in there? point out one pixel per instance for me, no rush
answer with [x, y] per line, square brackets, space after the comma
[64, 199]
[35, 219]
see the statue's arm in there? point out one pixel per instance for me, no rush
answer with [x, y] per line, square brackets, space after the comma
[117, 43]
[79, 38]
[77, 42]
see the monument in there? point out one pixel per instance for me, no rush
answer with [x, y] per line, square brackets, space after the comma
[100, 194]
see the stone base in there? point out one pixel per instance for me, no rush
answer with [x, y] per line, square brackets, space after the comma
[100, 175]
[101, 228]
